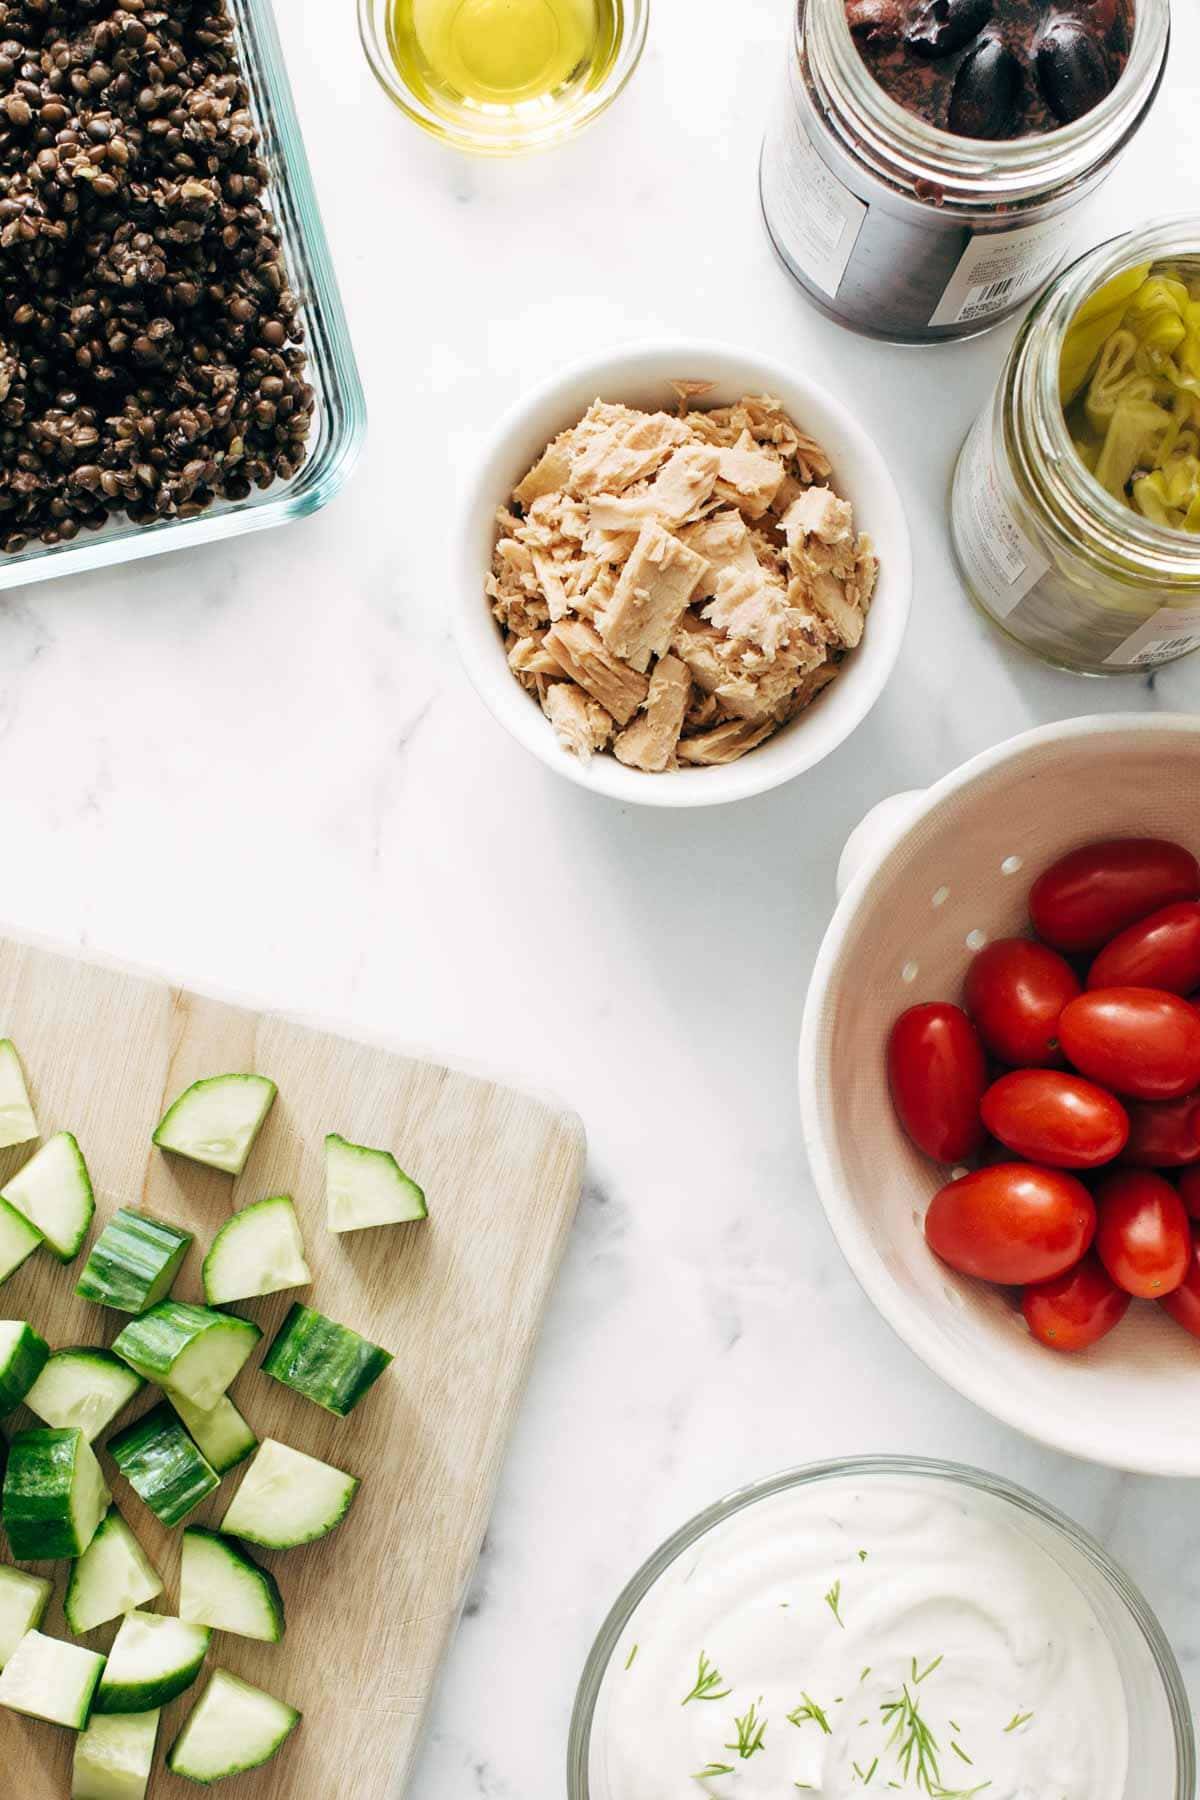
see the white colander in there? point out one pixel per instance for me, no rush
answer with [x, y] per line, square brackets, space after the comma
[926, 879]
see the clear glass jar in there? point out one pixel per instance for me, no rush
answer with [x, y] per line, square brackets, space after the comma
[1054, 560]
[906, 232]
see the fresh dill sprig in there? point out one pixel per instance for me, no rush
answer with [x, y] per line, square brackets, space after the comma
[941, 1793]
[865, 1673]
[960, 1752]
[811, 1711]
[630, 1657]
[1017, 1720]
[912, 1740]
[713, 1769]
[925, 1673]
[751, 1730]
[865, 1779]
[708, 1683]
[833, 1601]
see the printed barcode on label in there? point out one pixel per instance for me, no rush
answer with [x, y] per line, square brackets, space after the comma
[980, 296]
[1161, 650]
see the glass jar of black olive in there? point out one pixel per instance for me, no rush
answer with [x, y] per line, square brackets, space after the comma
[917, 228]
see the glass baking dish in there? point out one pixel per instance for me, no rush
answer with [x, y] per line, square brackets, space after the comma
[339, 416]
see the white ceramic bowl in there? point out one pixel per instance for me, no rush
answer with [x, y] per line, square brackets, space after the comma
[639, 376]
[926, 878]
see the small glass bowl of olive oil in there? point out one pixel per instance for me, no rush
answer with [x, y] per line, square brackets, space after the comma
[503, 76]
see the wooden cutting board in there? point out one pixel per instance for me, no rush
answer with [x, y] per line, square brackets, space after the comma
[458, 1298]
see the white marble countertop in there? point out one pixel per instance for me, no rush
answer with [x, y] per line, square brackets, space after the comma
[259, 766]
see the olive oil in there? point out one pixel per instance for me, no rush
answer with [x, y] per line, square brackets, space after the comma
[523, 59]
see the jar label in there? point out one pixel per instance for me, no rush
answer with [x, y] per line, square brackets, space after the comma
[814, 216]
[999, 268]
[1172, 632]
[1000, 562]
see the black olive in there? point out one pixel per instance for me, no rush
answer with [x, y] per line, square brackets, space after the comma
[940, 27]
[1072, 69]
[986, 98]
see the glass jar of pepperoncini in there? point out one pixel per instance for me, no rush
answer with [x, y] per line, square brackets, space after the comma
[1075, 509]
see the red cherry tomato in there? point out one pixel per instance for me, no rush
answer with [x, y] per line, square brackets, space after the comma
[1055, 1118]
[1143, 1237]
[1077, 1309]
[1184, 1304]
[1164, 1134]
[1162, 951]
[1187, 1185]
[1015, 991]
[1011, 1223]
[1136, 1041]
[1092, 893]
[937, 1074]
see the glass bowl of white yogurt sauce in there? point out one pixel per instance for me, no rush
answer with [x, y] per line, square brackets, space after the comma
[881, 1626]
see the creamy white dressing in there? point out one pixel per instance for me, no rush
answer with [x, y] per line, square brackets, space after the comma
[833, 1603]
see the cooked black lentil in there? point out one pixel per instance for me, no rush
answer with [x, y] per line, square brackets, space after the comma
[150, 348]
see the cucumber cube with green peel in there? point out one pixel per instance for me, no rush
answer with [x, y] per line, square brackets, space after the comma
[365, 1187]
[85, 1387]
[153, 1660]
[258, 1251]
[114, 1757]
[133, 1262]
[53, 1191]
[287, 1498]
[48, 1679]
[162, 1465]
[232, 1727]
[222, 1435]
[18, 1239]
[23, 1356]
[192, 1350]
[18, 1125]
[222, 1586]
[23, 1602]
[216, 1120]
[326, 1362]
[112, 1577]
[54, 1494]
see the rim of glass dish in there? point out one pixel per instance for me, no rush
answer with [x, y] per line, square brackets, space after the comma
[372, 31]
[957, 1474]
[332, 369]
[1037, 437]
[993, 172]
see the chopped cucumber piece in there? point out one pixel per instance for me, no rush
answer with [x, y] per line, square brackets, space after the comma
[84, 1387]
[114, 1757]
[326, 1362]
[153, 1659]
[162, 1465]
[54, 1494]
[54, 1192]
[367, 1187]
[17, 1122]
[217, 1120]
[133, 1262]
[18, 1239]
[112, 1577]
[23, 1356]
[232, 1727]
[45, 1678]
[222, 1435]
[23, 1602]
[222, 1586]
[192, 1350]
[258, 1251]
[287, 1498]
